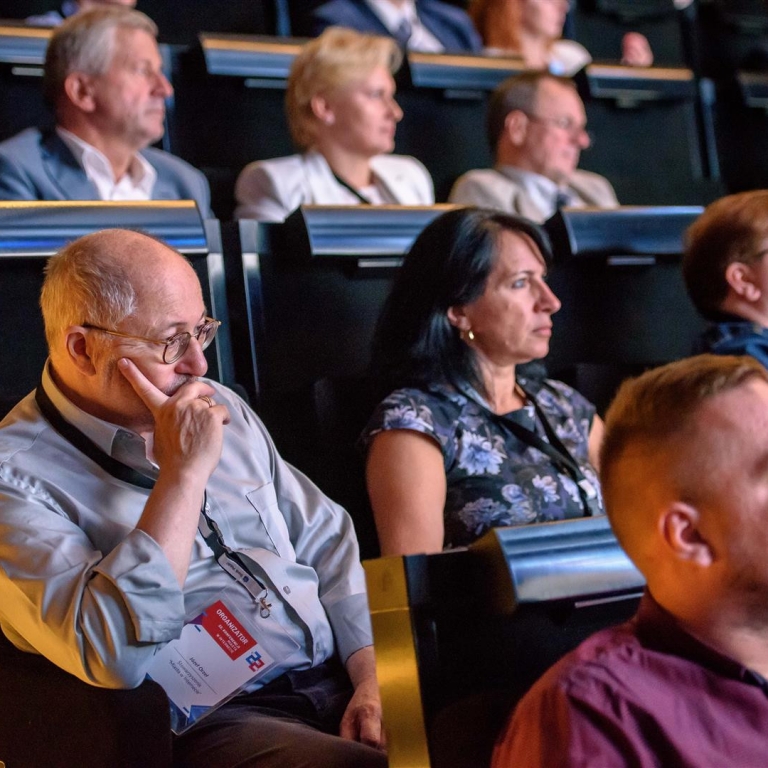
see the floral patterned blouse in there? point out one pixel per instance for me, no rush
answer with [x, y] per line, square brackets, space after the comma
[494, 478]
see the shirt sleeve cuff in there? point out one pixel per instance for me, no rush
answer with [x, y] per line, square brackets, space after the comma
[351, 625]
[142, 574]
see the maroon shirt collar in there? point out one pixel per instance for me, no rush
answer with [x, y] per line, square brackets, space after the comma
[659, 630]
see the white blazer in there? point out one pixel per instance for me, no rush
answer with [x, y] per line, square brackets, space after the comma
[269, 190]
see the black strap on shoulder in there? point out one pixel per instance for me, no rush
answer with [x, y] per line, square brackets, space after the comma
[85, 445]
[117, 469]
[364, 200]
[560, 455]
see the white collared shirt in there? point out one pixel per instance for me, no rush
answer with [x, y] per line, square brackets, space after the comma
[392, 16]
[541, 191]
[136, 184]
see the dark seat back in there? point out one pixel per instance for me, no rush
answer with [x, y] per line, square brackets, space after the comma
[624, 303]
[460, 636]
[50, 718]
[315, 288]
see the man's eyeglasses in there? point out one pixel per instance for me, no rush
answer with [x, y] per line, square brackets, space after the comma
[174, 347]
[566, 124]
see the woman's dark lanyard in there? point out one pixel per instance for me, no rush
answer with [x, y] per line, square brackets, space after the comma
[232, 562]
[364, 200]
[560, 455]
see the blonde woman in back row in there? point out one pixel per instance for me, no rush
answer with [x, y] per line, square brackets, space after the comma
[342, 115]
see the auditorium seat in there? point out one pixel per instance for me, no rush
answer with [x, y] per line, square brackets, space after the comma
[461, 635]
[22, 52]
[648, 138]
[315, 286]
[599, 26]
[53, 720]
[624, 303]
[31, 232]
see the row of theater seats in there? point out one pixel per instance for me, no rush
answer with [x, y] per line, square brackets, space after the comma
[663, 135]
[711, 36]
[459, 635]
[299, 302]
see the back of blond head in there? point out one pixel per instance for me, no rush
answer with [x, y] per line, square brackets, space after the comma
[338, 58]
[652, 418]
[85, 43]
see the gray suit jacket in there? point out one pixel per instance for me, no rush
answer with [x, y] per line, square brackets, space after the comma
[489, 188]
[39, 166]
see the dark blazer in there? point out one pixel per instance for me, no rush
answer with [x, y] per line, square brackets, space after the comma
[37, 165]
[450, 25]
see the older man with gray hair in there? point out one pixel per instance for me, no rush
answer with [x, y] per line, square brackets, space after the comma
[148, 526]
[104, 80]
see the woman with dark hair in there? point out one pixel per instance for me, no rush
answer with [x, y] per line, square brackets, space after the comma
[464, 443]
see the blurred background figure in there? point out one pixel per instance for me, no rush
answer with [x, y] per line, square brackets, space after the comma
[70, 8]
[533, 30]
[419, 25]
[104, 79]
[342, 115]
[463, 443]
[725, 267]
[537, 131]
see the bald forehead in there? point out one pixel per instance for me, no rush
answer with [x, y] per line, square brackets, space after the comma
[551, 93]
[135, 249]
[144, 262]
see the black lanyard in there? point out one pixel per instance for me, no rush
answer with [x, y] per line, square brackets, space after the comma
[560, 455]
[230, 560]
[364, 200]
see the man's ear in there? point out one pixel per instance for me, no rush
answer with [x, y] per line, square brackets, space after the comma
[516, 127]
[741, 278]
[322, 109]
[79, 350]
[457, 317]
[79, 89]
[680, 529]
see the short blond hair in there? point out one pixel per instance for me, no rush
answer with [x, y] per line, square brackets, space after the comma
[337, 58]
[653, 419]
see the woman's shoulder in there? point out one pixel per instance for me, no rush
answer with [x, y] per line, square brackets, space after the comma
[430, 410]
[274, 166]
[401, 165]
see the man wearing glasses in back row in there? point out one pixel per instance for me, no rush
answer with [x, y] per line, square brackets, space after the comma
[537, 131]
[139, 501]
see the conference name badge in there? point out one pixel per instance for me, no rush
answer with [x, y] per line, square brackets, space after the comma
[217, 653]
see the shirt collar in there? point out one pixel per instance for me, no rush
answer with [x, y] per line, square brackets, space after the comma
[531, 181]
[115, 441]
[392, 15]
[98, 169]
[659, 630]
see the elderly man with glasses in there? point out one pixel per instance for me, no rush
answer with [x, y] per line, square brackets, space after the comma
[537, 131]
[147, 522]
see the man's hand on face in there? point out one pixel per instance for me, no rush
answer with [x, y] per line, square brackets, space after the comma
[189, 430]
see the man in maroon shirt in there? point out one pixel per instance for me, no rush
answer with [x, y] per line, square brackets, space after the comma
[684, 470]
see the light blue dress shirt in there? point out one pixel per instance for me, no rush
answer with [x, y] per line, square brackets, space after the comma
[81, 586]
